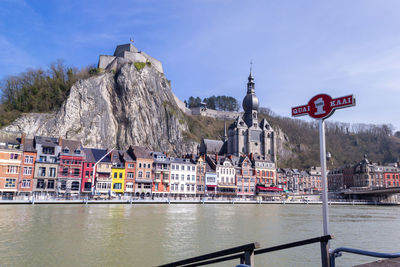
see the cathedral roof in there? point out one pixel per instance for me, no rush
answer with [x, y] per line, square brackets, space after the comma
[213, 146]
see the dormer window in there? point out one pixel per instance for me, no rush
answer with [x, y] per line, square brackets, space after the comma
[65, 150]
[77, 151]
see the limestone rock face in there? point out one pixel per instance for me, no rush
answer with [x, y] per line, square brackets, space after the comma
[116, 109]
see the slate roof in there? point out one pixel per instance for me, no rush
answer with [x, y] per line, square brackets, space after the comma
[28, 145]
[141, 152]
[213, 146]
[89, 155]
[72, 145]
[46, 141]
[98, 153]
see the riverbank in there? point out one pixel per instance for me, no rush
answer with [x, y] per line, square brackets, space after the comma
[166, 201]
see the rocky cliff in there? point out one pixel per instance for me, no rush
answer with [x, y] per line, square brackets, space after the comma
[123, 105]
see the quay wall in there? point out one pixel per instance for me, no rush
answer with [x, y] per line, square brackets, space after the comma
[166, 201]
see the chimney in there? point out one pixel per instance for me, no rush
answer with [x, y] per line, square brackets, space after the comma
[60, 141]
[23, 139]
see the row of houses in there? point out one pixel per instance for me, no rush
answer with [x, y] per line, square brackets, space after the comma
[364, 175]
[48, 167]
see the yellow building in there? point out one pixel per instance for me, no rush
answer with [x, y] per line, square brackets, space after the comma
[117, 173]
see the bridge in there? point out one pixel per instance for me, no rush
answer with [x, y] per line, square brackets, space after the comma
[386, 194]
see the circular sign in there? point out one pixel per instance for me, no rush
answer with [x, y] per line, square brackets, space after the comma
[320, 106]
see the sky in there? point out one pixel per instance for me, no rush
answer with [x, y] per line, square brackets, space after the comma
[298, 48]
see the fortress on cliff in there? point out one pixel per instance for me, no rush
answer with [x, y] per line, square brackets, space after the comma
[129, 53]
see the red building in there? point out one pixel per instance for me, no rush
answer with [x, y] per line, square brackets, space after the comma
[245, 177]
[87, 171]
[28, 167]
[391, 176]
[70, 168]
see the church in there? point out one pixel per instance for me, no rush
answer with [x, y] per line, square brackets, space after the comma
[246, 135]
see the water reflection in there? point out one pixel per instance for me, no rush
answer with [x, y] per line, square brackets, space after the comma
[147, 235]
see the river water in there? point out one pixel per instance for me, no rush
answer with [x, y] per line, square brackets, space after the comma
[147, 235]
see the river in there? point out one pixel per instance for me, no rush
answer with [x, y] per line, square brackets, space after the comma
[147, 235]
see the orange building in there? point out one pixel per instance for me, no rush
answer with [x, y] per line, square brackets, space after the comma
[10, 166]
[130, 166]
[144, 169]
[28, 168]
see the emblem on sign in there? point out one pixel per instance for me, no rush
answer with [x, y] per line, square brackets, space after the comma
[322, 106]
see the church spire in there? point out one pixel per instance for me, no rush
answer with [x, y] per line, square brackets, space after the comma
[250, 83]
[225, 135]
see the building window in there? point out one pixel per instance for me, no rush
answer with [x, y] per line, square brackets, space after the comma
[63, 185]
[27, 170]
[48, 150]
[65, 172]
[120, 175]
[129, 185]
[86, 173]
[12, 169]
[88, 186]
[26, 183]
[156, 187]
[75, 186]
[147, 175]
[28, 159]
[182, 187]
[42, 171]
[140, 174]
[140, 165]
[193, 178]
[149, 165]
[40, 184]
[188, 187]
[182, 167]
[188, 177]
[77, 172]
[10, 183]
[52, 172]
[42, 159]
[50, 184]
[13, 156]
[115, 175]
[130, 175]
[182, 177]
[130, 165]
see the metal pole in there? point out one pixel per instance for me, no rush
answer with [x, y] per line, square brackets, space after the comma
[323, 176]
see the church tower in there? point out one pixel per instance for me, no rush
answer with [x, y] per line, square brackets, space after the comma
[246, 135]
[250, 104]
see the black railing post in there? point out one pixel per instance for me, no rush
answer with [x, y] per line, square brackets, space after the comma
[249, 257]
[325, 253]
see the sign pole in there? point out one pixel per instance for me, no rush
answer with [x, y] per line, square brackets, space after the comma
[323, 176]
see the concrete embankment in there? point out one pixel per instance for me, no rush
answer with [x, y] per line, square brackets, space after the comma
[166, 201]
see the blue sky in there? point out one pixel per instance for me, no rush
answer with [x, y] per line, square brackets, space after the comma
[299, 48]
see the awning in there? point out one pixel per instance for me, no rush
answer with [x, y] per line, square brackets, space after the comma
[212, 185]
[271, 188]
[227, 186]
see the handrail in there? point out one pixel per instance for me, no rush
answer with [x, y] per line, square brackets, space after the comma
[246, 253]
[337, 253]
[215, 255]
[324, 238]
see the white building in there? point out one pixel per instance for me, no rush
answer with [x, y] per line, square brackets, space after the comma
[183, 177]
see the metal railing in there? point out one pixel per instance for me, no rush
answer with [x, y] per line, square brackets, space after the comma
[247, 252]
[338, 252]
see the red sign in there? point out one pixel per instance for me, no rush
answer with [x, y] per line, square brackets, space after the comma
[322, 106]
